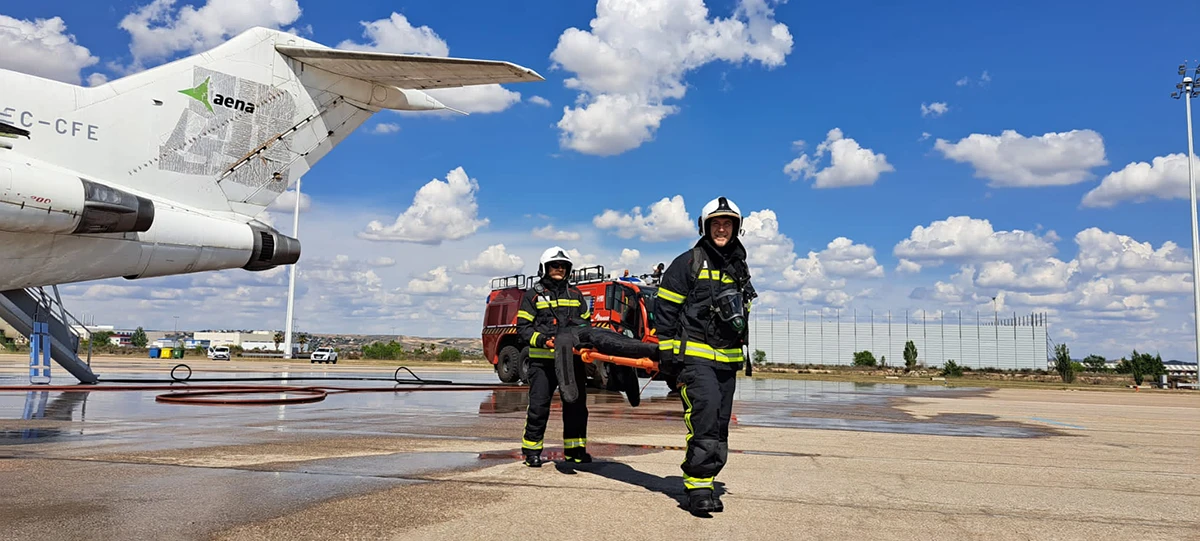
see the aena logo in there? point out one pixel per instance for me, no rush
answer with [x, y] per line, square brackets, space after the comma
[200, 94]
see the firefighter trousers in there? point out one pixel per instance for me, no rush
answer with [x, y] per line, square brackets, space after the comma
[542, 383]
[707, 395]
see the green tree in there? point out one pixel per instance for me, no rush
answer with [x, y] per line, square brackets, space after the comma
[952, 369]
[450, 355]
[278, 340]
[138, 339]
[760, 356]
[100, 338]
[882, 361]
[864, 358]
[1062, 363]
[910, 356]
[1095, 363]
[1143, 364]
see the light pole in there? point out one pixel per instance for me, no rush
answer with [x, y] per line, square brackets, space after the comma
[287, 332]
[1187, 90]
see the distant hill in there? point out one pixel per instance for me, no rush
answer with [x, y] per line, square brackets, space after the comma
[469, 346]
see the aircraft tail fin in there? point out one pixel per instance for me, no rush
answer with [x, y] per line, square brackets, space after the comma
[229, 129]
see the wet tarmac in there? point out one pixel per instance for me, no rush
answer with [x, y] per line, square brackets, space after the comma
[81, 462]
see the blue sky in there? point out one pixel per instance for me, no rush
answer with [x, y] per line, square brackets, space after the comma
[1084, 89]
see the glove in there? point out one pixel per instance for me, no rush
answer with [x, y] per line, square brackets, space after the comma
[548, 342]
[668, 362]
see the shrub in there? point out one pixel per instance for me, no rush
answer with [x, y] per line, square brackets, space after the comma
[760, 356]
[952, 369]
[864, 358]
[450, 355]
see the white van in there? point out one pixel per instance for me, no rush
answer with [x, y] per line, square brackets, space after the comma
[219, 353]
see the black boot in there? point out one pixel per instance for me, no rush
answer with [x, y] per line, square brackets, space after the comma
[534, 461]
[700, 502]
[578, 455]
[717, 505]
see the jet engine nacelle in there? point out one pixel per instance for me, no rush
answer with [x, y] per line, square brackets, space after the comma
[40, 200]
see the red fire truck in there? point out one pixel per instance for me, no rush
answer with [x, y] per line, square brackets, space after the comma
[626, 307]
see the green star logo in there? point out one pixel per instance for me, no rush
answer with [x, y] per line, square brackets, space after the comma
[199, 93]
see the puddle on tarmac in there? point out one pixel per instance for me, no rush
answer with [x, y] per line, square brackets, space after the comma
[42, 416]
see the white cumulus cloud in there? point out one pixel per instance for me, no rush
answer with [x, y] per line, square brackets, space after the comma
[1165, 178]
[937, 108]
[492, 261]
[396, 34]
[441, 211]
[908, 266]
[43, 47]
[1014, 160]
[433, 282]
[550, 233]
[851, 165]
[842, 257]
[668, 220]
[966, 238]
[159, 29]
[635, 56]
[1105, 251]
[286, 202]
[538, 100]
[384, 128]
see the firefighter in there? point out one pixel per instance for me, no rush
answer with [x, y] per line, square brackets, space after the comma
[702, 318]
[550, 305]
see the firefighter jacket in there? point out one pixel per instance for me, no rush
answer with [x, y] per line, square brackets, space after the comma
[685, 314]
[549, 305]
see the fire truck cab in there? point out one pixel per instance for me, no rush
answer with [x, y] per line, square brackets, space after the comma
[626, 307]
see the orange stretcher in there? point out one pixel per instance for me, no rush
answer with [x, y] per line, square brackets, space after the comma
[589, 355]
[592, 356]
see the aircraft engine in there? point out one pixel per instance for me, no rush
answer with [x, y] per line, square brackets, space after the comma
[40, 200]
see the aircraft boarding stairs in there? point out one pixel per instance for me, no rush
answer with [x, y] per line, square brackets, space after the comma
[32, 308]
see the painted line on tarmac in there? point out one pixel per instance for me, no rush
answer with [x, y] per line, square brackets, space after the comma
[1058, 423]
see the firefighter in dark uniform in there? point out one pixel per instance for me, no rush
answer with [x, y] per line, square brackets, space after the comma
[549, 306]
[702, 319]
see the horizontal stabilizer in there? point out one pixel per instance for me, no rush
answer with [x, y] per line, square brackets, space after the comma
[410, 71]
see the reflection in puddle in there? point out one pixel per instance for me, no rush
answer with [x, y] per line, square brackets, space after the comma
[39, 406]
[780, 403]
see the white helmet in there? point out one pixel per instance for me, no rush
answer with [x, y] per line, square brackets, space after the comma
[719, 207]
[554, 253]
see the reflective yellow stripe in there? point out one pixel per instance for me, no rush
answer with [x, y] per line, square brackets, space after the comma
[697, 482]
[668, 344]
[541, 353]
[668, 295]
[525, 315]
[586, 315]
[574, 443]
[715, 275]
[531, 445]
[559, 302]
[533, 339]
[704, 351]
[687, 412]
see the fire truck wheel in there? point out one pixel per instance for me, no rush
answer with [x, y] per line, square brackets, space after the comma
[508, 365]
[598, 375]
[523, 369]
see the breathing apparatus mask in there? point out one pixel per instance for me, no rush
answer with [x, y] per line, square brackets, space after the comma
[730, 308]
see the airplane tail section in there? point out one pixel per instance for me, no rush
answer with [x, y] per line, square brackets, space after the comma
[229, 129]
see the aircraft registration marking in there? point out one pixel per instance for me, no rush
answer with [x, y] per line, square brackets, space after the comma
[62, 126]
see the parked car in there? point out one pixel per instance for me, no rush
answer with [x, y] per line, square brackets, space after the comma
[219, 353]
[324, 354]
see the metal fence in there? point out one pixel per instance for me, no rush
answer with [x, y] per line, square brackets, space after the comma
[972, 340]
